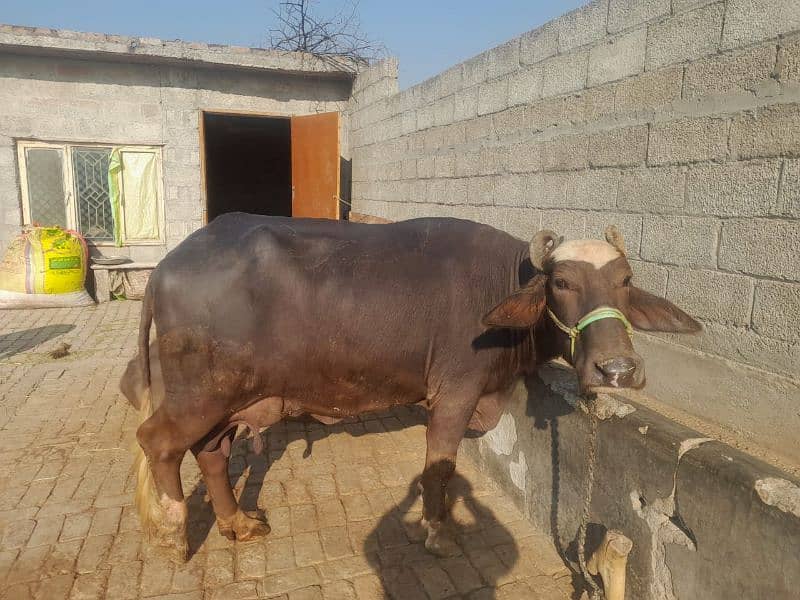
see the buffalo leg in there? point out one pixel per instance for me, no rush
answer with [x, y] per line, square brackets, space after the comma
[162, 509]
[446, 428]
[232, 521]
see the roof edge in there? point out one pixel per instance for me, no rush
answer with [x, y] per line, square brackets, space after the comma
[50, 42]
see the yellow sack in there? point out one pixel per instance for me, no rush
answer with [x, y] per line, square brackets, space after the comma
[41, 262]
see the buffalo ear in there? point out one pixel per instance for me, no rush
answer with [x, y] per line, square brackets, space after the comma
[521, 309]
[651, 313]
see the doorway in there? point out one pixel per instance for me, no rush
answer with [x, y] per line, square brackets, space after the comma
[248, 165]
[276, 166]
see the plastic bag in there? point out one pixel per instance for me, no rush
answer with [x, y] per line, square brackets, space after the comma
[44, 267]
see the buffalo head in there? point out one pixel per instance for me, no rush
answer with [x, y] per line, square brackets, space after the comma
[584, 289]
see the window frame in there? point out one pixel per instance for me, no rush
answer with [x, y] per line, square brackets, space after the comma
[71, 208]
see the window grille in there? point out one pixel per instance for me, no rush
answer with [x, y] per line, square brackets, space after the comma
[90, 178]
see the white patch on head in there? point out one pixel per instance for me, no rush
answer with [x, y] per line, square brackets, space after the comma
[595, 252]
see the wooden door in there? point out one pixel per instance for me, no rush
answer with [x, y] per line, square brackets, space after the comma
[315, 166]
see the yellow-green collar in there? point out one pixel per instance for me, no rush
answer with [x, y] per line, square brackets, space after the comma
[603, 312]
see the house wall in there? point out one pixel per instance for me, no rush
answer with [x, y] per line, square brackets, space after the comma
[60, 99]
[679, 122]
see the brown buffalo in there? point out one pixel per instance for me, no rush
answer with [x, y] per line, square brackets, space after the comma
[259, 318]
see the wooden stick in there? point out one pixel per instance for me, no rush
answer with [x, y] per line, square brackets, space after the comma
[610, 561]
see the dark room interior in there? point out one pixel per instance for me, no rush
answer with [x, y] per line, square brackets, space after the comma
[248, 165]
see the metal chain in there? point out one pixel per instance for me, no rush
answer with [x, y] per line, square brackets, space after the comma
[595, 593]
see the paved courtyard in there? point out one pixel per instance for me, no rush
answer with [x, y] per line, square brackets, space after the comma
[341, 500]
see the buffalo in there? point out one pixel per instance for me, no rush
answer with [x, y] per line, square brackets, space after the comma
[261, 318]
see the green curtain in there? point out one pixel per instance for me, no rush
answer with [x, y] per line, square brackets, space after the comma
[114, 168]
[133, 186]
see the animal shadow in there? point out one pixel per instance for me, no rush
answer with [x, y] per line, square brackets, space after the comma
[27, 339]
[275, 440]
[395, 548]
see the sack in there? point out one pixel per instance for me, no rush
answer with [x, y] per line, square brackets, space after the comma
[128, 284]
[44, 266]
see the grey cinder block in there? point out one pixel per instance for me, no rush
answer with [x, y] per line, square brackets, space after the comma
[686, 36]
[687, 241]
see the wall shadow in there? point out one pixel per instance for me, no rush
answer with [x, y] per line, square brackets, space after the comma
[27, 339]
[546, 408]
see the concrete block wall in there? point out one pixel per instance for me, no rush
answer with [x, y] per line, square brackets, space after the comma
[70, 100]
[678, 121]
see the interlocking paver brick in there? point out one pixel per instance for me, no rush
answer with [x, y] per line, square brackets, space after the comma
[28, 565]
[62, 558]
[157, 576]
[435, 580]
[308, 549]
[338, 590]
[313, 592]
[361, 536]
[75, 527]
[93, 553]
[125, 547]
[17, 533]
[280, 555]
[462, 574]
[243, 590]
[304, 518]
[345, 518]
[123, 580]
[280, 522]
[251, 560]
[219, 568]
[105, 521]
[55, 587]
[46, 531]
[335, 542]
[89, 586]
[356, 507]
[331, 513]
[287, 581]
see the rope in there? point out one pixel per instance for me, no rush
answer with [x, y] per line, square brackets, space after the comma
[595, 593]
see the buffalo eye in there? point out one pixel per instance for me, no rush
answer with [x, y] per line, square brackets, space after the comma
[627, 281]
[561, 284]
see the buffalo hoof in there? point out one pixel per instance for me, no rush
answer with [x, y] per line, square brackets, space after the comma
[171, 545]
[439, 543]
[243, 526]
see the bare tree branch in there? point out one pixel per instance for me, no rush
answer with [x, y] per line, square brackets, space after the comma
[299, 29]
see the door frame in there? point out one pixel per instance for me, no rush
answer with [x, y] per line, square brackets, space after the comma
[202, 131]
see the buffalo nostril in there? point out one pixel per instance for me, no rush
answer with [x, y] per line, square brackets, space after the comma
[617, 367]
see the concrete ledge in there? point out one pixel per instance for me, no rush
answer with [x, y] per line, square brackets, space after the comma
[707, 521]
[756, 410]
[49, 42]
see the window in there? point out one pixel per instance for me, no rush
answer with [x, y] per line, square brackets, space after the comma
[110, 194]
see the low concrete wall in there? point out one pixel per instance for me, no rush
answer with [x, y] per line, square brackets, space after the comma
[679, 122]
[706, 520]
